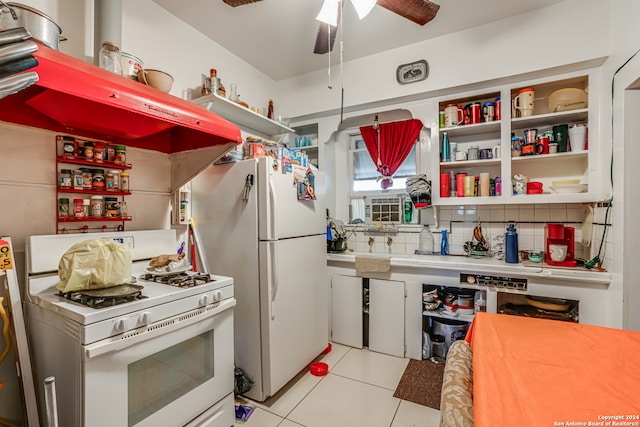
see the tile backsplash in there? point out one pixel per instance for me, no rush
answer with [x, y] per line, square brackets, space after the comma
[459, 221]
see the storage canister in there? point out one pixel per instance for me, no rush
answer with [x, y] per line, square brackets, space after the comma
[96, 205]
[78, 211]
[64, 178]
[124, 181]
[63, 207]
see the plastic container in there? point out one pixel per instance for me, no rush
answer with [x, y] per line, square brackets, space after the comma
[425, 244]
[479, 302]
[444, 244]
[319, 369]
[511, 244]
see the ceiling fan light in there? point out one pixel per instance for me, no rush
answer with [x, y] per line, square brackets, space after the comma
[329, 12]
[363, 7]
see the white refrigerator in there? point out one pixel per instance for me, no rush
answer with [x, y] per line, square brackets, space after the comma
[253, 227]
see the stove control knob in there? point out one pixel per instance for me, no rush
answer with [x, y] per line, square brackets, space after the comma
[217, 296]
[145, 318]
[204, 300]
[122, 325]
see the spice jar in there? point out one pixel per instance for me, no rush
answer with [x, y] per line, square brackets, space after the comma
[77, 180]
[88, 150]
[97, 179]
[124, 181]
[111, 206]
[96, 205]
[98, 152]
[68, 147]
[86, 178]
[78, 211]
[64, 178]
[122, 208]
[108, 180]
[120, 156]
[110, 152]
[109, 58]
[86, 206]
[63, 207]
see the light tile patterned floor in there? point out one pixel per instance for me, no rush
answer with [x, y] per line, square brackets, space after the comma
[357, 392]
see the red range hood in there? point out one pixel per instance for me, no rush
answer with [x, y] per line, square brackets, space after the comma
[81, 99]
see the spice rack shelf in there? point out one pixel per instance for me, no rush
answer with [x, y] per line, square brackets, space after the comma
[86, 162]
[95, 219]
[101, 174]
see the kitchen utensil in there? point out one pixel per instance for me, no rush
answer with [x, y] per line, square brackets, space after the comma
[156, 79]
[542, 144]
[485, 153]
[489, 111]
[534, 187]
[472, 153]
[568, 99]
[553, 147]
[41, 27]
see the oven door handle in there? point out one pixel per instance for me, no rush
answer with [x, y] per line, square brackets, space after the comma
[153, 330]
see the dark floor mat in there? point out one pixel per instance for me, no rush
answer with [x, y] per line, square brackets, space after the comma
[421, 383]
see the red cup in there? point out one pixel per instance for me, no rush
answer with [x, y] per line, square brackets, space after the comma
[460, 184]
[445, 185]
[542, 146]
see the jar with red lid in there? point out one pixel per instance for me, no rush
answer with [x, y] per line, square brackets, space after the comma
[98, 152]
[78, 210]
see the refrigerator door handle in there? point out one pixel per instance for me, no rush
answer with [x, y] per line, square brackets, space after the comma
[271, 233]
[274, 277]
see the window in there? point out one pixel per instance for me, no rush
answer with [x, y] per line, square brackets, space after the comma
[364, 173]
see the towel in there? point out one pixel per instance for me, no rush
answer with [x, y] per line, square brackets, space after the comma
[372, 264]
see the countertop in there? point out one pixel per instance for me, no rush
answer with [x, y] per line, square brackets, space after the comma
[487, 265]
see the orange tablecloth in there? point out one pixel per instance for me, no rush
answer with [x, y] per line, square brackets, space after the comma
[537, 372]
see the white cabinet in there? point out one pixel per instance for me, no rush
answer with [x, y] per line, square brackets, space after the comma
[368, 312]
[386, 316]
[346, 310]
[588, 167]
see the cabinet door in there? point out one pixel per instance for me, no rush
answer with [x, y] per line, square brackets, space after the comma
[386, 317]
[346, 310]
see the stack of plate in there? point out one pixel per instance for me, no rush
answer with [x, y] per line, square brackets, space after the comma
[568, 186]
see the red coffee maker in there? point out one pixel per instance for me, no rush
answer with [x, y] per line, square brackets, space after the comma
[556, 237]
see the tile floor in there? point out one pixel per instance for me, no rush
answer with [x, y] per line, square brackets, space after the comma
[357, 391]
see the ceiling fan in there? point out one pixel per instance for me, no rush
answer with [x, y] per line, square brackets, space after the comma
[418, 11]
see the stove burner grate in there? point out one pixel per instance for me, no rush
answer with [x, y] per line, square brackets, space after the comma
[107, 298]
[181, 280]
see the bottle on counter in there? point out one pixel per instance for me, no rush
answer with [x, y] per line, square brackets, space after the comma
[511, 244]
[444, 244]
[425, 244]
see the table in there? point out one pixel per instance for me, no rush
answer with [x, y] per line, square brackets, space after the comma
[540, 372]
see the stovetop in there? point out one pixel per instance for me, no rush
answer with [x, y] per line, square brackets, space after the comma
[153, 295]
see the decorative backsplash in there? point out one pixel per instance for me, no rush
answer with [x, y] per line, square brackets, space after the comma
[460, 221]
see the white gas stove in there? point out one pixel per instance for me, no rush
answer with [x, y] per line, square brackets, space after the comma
[145, 339]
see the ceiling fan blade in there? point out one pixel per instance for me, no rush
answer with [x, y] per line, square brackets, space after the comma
[325, 38]
[236, 3]
[418, 11]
